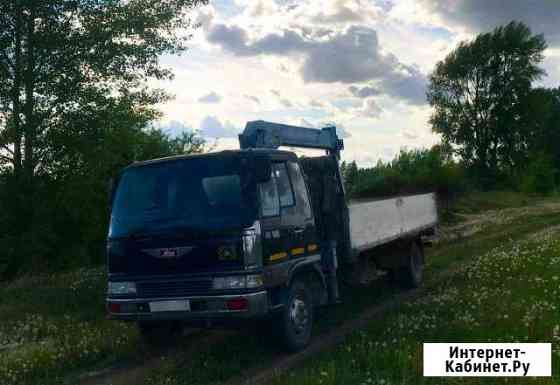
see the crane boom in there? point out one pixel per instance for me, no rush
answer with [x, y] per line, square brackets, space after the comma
[261, 134]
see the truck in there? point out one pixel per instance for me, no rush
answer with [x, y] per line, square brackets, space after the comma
[252, 235]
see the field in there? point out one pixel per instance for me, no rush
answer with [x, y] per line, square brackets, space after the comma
[493, 277]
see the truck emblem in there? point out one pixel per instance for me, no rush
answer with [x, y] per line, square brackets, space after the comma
[168, 252]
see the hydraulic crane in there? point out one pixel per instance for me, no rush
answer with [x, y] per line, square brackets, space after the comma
[261, 134]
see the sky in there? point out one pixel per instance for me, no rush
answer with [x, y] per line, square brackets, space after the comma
[362, 65]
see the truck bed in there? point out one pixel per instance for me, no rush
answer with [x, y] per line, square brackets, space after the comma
[377, 222]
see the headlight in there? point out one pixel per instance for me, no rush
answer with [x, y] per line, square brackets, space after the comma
[255, 280]
[238, 282]
[122, 288]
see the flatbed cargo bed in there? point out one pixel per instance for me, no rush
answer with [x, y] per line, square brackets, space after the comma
[376, 222]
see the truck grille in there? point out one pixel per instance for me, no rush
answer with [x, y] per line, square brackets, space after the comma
[174, 288]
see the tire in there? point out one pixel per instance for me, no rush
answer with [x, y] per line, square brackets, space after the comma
[159, 333]
[296, 320]
[412, 273]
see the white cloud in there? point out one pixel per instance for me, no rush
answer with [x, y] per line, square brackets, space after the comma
[370, 109]
[212, 97]
[212, 127]
[350, 56]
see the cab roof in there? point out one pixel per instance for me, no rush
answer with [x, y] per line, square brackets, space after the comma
[273, 154]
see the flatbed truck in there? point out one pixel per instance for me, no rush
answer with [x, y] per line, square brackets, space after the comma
[255, 234]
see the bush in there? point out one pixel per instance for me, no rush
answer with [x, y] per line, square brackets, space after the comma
[413, 171]
[539, 176]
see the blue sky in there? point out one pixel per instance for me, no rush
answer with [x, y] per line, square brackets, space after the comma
[361, 64]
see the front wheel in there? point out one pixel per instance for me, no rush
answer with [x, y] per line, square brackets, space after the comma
[296, 320]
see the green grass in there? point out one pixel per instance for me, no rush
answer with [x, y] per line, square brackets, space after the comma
[477, 202]
[53, 325]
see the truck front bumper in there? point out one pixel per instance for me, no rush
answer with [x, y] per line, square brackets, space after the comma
[223, 307]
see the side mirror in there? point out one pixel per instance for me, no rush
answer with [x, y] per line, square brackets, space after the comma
[262, 169]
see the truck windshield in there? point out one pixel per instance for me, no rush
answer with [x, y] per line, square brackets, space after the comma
[199, 193]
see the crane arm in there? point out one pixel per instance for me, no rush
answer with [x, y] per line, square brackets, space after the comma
[261, 134]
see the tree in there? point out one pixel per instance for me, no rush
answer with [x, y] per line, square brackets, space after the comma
[478, 92]
[542, 117]
[63, 58]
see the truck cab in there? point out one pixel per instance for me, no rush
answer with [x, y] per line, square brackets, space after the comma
[213, 238]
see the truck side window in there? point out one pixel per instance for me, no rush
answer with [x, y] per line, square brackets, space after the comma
[268, 196]
[300, 188]
[283, 183]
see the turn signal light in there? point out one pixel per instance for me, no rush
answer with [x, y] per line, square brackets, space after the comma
[237, 304]
[114, 307]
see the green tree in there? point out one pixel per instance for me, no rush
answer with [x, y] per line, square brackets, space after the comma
[63, 58]
[542, 117]
[478, 92]
[350, 175]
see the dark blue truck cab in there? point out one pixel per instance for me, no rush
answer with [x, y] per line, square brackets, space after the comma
[215, 237]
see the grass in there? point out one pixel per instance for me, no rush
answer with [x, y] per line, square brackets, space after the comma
[507, 294]
[477, 202]
[52, 328]
[55, 324]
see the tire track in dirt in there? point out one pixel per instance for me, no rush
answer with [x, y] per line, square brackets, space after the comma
[135, 372]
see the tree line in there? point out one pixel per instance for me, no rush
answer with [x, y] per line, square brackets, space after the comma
[497, 130]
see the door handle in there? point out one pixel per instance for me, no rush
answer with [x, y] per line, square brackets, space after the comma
[299, 230]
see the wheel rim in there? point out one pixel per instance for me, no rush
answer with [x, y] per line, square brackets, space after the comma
[299, 316]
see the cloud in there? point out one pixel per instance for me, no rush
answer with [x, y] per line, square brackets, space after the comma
[317, 104]
[286, 103]
[483, 15]
[347, 11]
[349, 56]
[252, 98]
[341, 131]
[204, 16]
[212, 98]
[235, 40]
[363, 92]
[370, 109]
[409, 134]
[212, 127]
[407, 83]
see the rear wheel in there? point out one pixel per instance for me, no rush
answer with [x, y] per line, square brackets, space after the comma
[296, 320]
[412, 273]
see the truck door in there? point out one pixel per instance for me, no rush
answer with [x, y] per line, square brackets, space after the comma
[306, 235]
[287, 222]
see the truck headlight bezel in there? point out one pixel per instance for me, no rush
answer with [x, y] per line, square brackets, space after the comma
[234, 282]
[121, 288]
